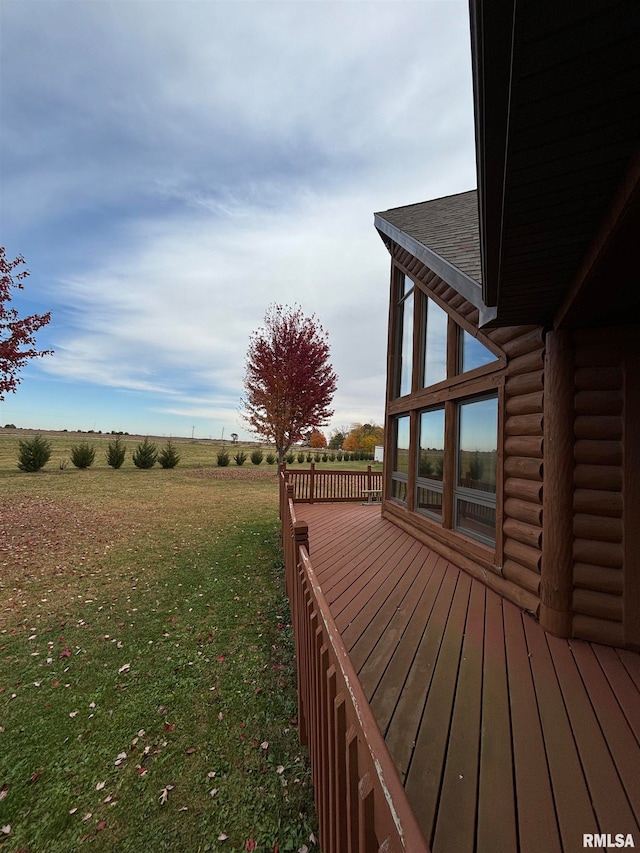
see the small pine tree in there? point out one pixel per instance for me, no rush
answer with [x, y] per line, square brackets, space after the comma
[240, 458]
[34, 453]
[223, 458]
[115, 453]
[300, 457]
[83, 455]
[290, 457]
[169, 456]
[145, 454]
[256, 457]
[271, 458]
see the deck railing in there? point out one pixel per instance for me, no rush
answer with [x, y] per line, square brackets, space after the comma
[312, 486]
[361, 804]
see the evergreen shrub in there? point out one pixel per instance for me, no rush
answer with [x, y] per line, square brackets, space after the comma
[240, 458]
[115, 453]
[223, 458]
[169, 456]
[145, 455]
[301, 457]
[83, 455]
[34, 453]
[271, 458]
[257, 456]
[289, 458]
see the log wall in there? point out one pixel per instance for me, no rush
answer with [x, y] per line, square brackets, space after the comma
[598, 553]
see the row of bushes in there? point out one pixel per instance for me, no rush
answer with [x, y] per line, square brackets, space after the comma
[241, 457]
[257, 457]
[34, 453]
[329, 456]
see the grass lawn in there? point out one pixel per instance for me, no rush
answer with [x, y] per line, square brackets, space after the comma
[147, 680]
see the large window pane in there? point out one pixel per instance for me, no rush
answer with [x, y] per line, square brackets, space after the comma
[401, 458]
[400, 467]
[406, 345]
[435, 347]
[431, 461]
[472, 353]
[477, 519]
[478, 445]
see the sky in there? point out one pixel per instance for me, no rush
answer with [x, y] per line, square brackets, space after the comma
[170, 168]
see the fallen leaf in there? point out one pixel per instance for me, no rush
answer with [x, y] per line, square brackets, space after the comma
[280, 769]
[108, 798]
[6, 829]
[222, 837]
[73, 811]
[101, 826]
[265, 744]
[164, 794]
[73, 713]
[190, 751]
[100, 786]
[125, 668]
[250, 845]
[169, 727]
[3, 791]
[86, 817]
[34, 777]
[65, 653]
[213, 792]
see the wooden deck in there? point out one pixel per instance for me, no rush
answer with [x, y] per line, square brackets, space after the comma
[505, 738]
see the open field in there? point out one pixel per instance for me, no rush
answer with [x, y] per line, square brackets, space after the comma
[147, 680]
[194, 453]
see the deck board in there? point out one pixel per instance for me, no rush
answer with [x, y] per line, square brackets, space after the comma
[504, 737]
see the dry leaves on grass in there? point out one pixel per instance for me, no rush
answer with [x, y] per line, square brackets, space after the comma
[41, 537]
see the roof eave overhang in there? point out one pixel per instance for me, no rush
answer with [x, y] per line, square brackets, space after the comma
[454, 277]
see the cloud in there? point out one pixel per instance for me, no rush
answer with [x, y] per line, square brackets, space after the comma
[175, 167]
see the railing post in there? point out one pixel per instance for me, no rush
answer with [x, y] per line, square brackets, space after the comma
[312, 471]
[369, 479]
[301, 536]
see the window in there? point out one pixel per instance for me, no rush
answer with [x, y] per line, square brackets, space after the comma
[405, 336]
[472, 353]
[435, 345]
[400, 466]
[444, 385]
[476, 459]
[431, 463]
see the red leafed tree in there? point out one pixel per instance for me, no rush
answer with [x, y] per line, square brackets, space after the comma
[289, 382]
[17, 341]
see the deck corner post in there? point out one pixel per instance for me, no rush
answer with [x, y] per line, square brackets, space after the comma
[301, 535]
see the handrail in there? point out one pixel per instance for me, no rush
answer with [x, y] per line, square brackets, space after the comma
[317, 486]
[361, 804]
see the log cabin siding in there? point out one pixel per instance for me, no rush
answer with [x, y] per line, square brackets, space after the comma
[513, 568]
[598, 503]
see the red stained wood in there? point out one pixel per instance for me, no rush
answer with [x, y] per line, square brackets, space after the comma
[463, 684]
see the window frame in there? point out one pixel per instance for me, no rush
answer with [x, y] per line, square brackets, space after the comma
[483, 381]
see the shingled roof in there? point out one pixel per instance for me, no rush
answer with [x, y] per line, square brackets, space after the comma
[444, 235]
[447, 226]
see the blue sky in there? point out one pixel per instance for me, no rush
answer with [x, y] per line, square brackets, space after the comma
[169, 169]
